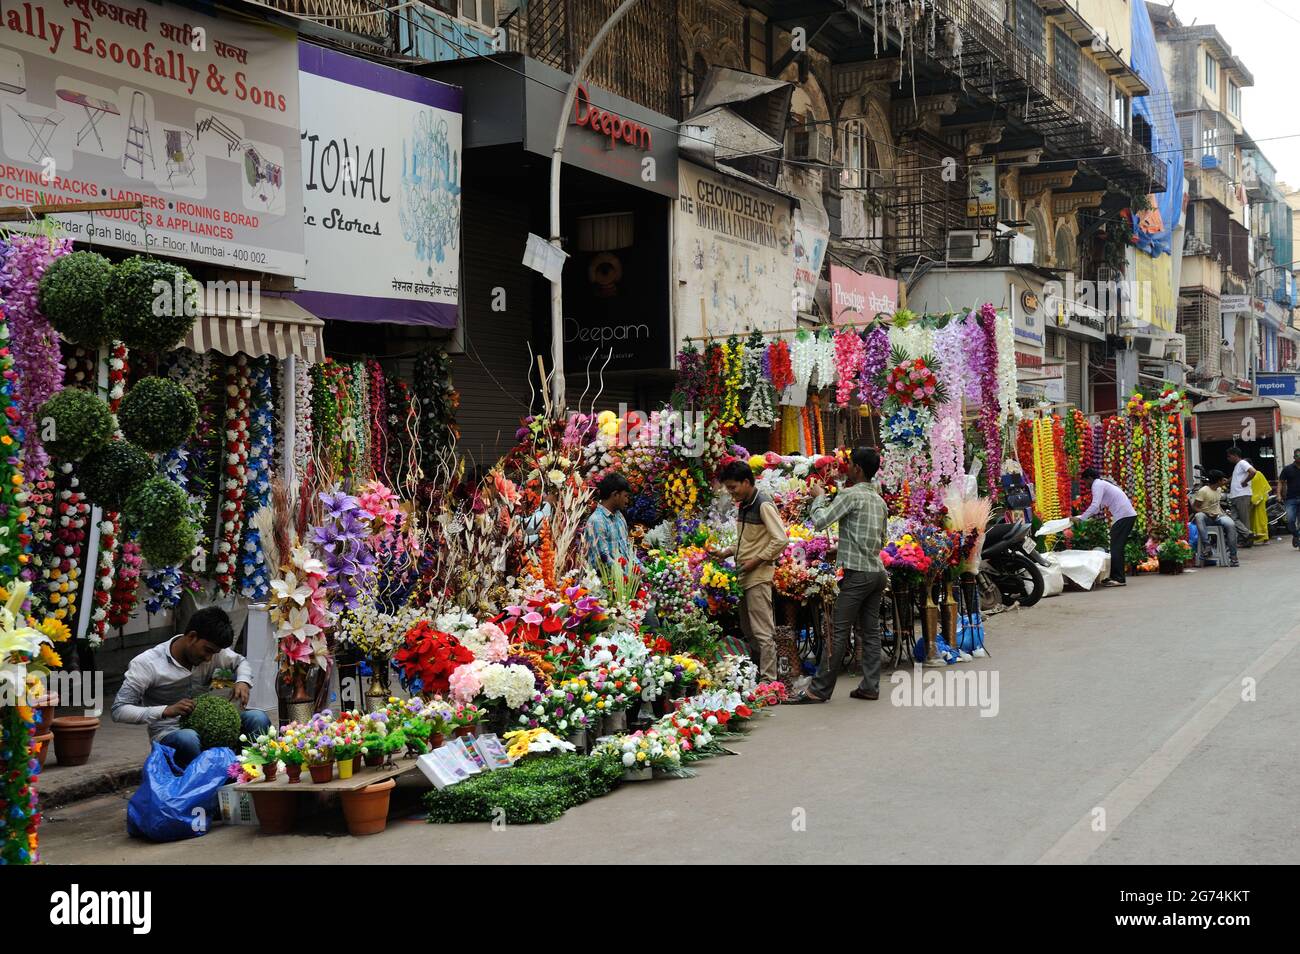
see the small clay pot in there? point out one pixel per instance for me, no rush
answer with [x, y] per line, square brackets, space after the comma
[321, 774]
[73, 738]
[356, 763]
[435, 741]
[294, 771]
[276, 811]
[269, 770]
[366, 809]
[374, 759]
[463, 731]
[41, 747]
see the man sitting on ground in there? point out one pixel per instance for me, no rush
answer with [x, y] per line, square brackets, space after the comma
[1208, 504]
[162, 682]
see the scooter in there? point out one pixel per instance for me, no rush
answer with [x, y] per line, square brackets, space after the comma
[1009, 566]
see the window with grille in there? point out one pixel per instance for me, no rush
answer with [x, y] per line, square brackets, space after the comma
[1065, 57]
[1031, 27]
[1234, 99]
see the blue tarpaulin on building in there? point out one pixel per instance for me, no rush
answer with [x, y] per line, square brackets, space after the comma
[1158, 111]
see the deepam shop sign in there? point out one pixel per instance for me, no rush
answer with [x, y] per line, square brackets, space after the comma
[194, 117]
[381, 163]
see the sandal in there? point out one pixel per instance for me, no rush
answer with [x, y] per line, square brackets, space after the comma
[806, 700]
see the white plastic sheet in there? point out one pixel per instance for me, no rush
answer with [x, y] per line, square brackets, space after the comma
[1052, 527]
[261, 659]
[1081, 567]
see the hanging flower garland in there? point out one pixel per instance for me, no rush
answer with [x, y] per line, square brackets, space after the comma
[19, 814]
[824, 366]
[234, 471]
[402, 421]
[1063, 477]
[803, 358]
[34, 343]
[780, 365]
[986, 365]
[254, 577]
[326, 418]
[163, 585]
[691, 374]
[126, 585]
[109, 524]
[361, 415]
[61, 574]
[1178, 467]
[379, 437]
[1046, 503]
[849, 352]
[756, 381]
[733, 357]
[948, 443]
[875, 356]
[303, 383]
[1025, 449]
[908, 427]
[14, 535]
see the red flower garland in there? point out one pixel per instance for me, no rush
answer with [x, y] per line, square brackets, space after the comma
[782, 370]
[106, 567]
[1063, 494]
[234, 472]
[1025, 449]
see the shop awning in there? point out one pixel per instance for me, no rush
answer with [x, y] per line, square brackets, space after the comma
[279, 328]
[738, 124]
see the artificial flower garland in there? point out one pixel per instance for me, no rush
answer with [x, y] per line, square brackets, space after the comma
[14, 535]
[255, 579]
[106, 564]
[234, 472]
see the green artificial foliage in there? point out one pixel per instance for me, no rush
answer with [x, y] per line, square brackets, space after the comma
[74, 423]
[216, 720]
[694, 635]
[537, 790]
[72, 294]
[158, 414]
[111, 474]
[169, 544]
[143, 305]
[1135, 551]
[157, 504]
[1091, 534]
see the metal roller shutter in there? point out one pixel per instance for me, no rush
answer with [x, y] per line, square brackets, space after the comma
[1074, 372]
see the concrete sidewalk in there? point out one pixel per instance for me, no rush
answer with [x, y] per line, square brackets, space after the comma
[115, 762]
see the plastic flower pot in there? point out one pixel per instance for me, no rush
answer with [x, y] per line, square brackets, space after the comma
[269, 770]
[320, 774]
[356, 763]
[276, 811]
[345, 769]
[463, 731]
[294, 771]
[73, 738]
[579, 740]
[41, 747]
[366, 809]
[644, 774]
[614, 723]
[374, 759]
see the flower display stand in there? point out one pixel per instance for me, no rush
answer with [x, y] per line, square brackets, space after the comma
[277, 807]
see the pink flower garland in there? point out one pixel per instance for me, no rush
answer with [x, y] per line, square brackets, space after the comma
[33, 342]
[234, 471]
[849, 352]
[985, 364]
[126, 585]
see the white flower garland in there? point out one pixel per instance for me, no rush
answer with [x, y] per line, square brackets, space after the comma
[824, 351]
[1008, 407]
[301, 416]
[803, 357]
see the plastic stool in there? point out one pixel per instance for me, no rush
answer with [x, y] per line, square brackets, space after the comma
[1215, 542]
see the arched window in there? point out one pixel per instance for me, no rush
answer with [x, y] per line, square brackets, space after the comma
[1040, 233]
[1065, 247]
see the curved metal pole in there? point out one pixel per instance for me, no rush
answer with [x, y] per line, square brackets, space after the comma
[557, 156]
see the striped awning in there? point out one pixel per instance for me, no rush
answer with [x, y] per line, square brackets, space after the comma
[279, 327]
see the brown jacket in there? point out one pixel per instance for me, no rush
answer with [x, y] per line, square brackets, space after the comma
[761, 536]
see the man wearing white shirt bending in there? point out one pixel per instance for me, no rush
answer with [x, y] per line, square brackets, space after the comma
[1239, 490]
[1122, 517]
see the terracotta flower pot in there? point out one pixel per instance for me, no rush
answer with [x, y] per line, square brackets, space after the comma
[345, 768]
[320, 774]
[269, 770]
[294, 771]
[435, 741]
[276, 811]
[374, 759]
[463, 731]
[41, 747]
[356, 763]
[46, 713]
[73, 738]
[366, 809]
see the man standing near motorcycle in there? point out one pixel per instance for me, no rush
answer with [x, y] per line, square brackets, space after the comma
[1239, 492]
[1288, 491]
[1122, 516]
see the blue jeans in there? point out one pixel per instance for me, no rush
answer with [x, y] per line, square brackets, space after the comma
[1293, 519]
[186, 741]
[1227, 526]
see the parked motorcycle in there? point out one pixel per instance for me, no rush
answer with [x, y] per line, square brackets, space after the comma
[1009, 566]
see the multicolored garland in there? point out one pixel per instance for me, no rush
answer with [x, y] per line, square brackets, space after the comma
[234, 472]
[15, 539]
[20, 816]
[106, 564]
[254, 577]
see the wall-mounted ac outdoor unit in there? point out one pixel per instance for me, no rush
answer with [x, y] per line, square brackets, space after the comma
[1021, 251]
[809, 145]
[969, 245]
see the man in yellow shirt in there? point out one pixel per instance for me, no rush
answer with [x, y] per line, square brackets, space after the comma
[1208, 506]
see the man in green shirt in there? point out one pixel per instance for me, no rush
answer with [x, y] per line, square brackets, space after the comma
[863, 522]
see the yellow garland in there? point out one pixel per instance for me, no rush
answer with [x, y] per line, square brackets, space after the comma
[1045, 476]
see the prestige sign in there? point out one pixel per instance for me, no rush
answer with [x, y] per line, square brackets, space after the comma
[859, 297]
[616, 127]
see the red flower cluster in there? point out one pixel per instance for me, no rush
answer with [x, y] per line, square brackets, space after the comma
[428, 657]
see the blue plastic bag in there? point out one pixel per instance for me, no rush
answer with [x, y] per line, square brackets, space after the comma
[164, 807]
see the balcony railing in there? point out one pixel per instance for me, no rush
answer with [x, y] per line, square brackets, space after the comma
[362, 17]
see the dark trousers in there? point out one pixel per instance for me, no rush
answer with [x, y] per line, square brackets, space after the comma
[1119, 532]
[858, 603]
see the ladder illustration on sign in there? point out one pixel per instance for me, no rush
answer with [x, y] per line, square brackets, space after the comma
[137, 136]
[222, 130]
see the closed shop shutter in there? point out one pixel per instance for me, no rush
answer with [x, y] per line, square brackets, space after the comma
[1228, 425]
[1074, 372]
[493, 374]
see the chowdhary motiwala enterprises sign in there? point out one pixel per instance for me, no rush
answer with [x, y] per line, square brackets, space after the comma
[381, 166]
[194, 117]
[733, 256]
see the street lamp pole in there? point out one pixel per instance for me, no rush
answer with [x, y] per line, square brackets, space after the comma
[557, 155]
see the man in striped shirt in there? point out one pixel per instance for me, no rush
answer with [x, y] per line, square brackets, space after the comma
[606, 534]
[863, 522]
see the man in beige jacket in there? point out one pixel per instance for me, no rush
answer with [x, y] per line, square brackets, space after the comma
[761, 539]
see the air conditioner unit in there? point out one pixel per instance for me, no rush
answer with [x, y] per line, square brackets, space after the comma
[1149, 347]
[809, 145]
[1022, 249]
[969, 245]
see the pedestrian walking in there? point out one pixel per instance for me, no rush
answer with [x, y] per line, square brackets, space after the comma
[863, 522]
[1122, 516]
[761, 538]
[1240, 494]
[1288, 491]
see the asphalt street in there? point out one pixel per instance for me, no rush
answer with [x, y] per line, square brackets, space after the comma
[1157, 723]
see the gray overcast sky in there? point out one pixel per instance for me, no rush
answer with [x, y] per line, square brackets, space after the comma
[1265, 34]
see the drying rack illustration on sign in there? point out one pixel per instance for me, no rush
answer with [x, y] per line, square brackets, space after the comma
[41, 127]
[180, 155]
[265, 177]
[139, 144]
[215, 124]
[95, 109]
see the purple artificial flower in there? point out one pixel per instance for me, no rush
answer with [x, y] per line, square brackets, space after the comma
[337, 503]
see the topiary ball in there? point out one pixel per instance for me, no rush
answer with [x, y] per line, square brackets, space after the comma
[143, 305]
[72, 293]
[169, 544]
[158, 503]
[216, 720]
[111, 474]
[73, 423]
[158, 414]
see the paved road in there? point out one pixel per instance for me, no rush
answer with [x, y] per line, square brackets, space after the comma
[1128, 701]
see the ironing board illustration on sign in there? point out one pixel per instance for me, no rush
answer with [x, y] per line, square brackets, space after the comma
[95, 110]
[13, 78]
[139, 144]
[40, 126]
